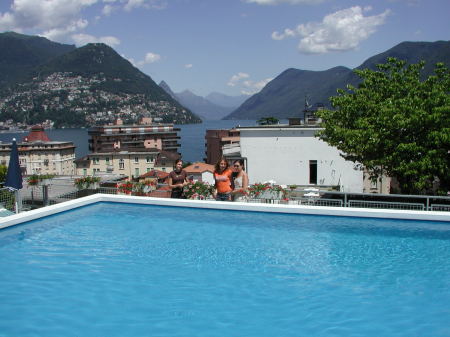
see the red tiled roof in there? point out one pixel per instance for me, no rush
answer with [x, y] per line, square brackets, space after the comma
[37, 133]
[155, 174]
[199, 168]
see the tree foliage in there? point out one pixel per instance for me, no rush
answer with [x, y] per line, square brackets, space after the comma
[268, 121]
[396, 124]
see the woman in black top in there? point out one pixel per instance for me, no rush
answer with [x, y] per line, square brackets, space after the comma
[177, 180]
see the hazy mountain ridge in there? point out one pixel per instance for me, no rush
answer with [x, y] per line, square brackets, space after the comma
[285, 95]
[202, 106]
[226, 100]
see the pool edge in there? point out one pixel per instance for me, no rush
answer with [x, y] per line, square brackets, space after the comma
[272, 208]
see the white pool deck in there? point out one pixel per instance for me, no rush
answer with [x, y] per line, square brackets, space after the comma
[255, 207]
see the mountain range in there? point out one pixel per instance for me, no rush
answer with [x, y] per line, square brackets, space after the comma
[20, 54]
[82, 86]
[214, 106]
[285, 95]
[93, 84]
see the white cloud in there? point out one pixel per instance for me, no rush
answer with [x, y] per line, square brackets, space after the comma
[82, 39]
[251, 88]
[43, 15]
[188, 66]
[155, 4]
[248, 86]
[62, 20]
[339, 31]
[276, 2]
[150, 58]
[236, 78]
[61, 33]
[107, 10]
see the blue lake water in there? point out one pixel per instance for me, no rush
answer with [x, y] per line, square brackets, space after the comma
[134, 270]
[192, 137]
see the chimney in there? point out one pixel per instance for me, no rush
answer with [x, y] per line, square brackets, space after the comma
[145, 121]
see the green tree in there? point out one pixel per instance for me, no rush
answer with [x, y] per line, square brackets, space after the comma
[396, 124]
[268, 121]
[3, 171]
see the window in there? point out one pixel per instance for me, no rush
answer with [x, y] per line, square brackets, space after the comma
[373, 184]
[148, 169]
[149, 159]
[136, 172]
[96, 160]
[136, 159]
[84, 172]
[107, 160]
[121, 164]
[313, 172]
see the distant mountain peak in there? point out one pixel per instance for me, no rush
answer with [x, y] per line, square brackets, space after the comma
[167, 89]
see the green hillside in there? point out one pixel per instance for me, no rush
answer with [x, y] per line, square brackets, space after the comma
[19, 54]
[96, 58]
[86, 86]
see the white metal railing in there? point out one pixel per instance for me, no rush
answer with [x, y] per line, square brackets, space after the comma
[61, 190]
[7, 202]
[385, 205]
[440, 207]
[229, 149]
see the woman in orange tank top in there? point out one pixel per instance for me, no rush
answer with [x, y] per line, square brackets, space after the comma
[222, 178]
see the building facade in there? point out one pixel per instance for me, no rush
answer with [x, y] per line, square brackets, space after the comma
[201, 172]
[133, 138]
[220, 143]
[291, 154]
[130, 150]
[39, 155]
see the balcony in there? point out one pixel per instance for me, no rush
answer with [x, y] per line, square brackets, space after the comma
[233, 149]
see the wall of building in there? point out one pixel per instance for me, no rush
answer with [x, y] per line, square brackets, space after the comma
[111, 163]
[380, 185]
[284, 154]
[43, 158]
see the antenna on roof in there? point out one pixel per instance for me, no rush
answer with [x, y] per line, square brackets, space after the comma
[307, 104]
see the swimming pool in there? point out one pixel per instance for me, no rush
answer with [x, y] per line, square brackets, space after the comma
[111, 269]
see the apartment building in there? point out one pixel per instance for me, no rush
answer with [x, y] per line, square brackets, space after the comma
[220, 143]
[130, 150]
[40, 155]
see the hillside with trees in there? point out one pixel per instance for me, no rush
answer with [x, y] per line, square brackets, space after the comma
[20, 54]
[87, 86]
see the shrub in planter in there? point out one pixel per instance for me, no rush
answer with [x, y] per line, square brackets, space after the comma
[198, 190]
[86, 182]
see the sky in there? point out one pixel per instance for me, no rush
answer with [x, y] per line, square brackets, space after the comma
[232, 47]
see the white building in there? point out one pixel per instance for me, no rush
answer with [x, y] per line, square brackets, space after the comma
[39, 155]
[291, 154]
[201, 172]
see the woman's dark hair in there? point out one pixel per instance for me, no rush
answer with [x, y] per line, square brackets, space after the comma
[241, 162]
[234, 174]
[176, 162]
[217, 166]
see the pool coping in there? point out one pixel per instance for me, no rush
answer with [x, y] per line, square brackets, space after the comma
[221, 205]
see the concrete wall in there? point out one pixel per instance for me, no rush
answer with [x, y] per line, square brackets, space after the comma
[283, 154]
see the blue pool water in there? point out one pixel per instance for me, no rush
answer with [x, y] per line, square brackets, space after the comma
[133, 270]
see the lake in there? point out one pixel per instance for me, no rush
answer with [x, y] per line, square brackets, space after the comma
[192, 137]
